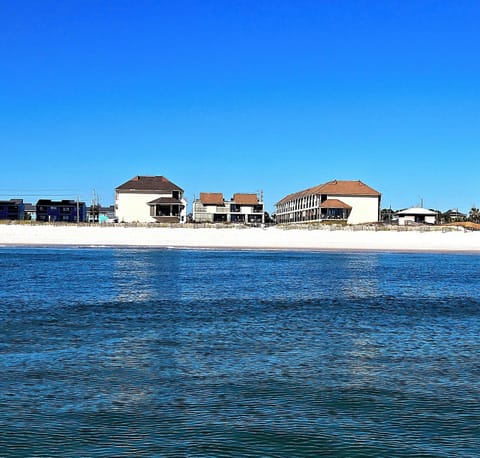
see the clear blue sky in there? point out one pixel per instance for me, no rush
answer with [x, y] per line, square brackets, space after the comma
[240, 96]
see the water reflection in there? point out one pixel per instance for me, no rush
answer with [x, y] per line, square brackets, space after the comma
[142, 275]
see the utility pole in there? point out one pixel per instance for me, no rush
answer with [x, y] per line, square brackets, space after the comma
[95, 207]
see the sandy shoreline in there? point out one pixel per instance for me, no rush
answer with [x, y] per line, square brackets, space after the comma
[272, 238]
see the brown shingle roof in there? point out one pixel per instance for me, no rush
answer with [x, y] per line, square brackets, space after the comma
[165, 200]
[149, 183]
[335, 188]
[211, 198]
[245, 199]
[334, 203]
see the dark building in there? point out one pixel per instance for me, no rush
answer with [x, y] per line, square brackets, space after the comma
[12, 209]
[67, 211]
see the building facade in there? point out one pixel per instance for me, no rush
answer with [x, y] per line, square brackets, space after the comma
[12, 209]
[150, 199]
[211, 207]
[66, 211]
[351, 202]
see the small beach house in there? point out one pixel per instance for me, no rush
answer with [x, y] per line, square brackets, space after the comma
[416, 215]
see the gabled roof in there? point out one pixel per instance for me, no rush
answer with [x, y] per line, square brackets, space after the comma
[211, 198]
[149, 183]
[245, 199]
[335, 188]
[335, 203]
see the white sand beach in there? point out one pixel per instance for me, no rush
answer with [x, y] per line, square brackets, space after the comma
[270, 238]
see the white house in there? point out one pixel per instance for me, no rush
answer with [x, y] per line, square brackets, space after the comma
[416, 215]
[150, 199]
[347, 201]
[211, 207]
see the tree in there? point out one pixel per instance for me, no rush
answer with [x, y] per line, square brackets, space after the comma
[474, 215]
[267, 218]
[386, 215]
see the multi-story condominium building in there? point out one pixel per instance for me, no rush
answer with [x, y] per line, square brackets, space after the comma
[150, 199]
[67, 211]
[12, 209]
[352, 202]
[211, 207]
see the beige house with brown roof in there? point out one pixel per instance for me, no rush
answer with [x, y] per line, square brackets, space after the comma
[211, 207]
[150, 199]
[347, 201]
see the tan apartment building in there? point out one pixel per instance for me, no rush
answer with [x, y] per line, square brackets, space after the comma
[347, 201]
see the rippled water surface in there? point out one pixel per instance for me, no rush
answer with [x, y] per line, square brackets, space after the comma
[139, 353]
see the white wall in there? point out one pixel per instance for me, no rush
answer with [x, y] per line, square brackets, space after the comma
[364, 209]
[131, 207]
[403, 220]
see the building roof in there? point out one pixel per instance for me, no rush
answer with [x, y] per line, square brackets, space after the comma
[335, 188]
[149, 183]
[59, 202]
[165, 200]
[12, 202]
[245, 199]
[416, 211]
[454, 212]
[335, 203]
[211, 198]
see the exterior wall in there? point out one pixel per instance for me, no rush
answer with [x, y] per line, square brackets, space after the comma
[365, 209]
[209, 213]
[60, 211]
[132, 207]
[404, 220]
[11, 210]
[206, 213]
[299, 210]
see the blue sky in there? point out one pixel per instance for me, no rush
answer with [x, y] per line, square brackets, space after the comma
[241, 96]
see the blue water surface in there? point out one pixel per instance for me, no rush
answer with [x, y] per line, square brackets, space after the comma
[172, 353]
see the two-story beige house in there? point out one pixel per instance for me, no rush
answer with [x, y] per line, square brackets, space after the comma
[150, 199]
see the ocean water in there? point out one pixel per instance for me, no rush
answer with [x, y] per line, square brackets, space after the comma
[184, 353]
